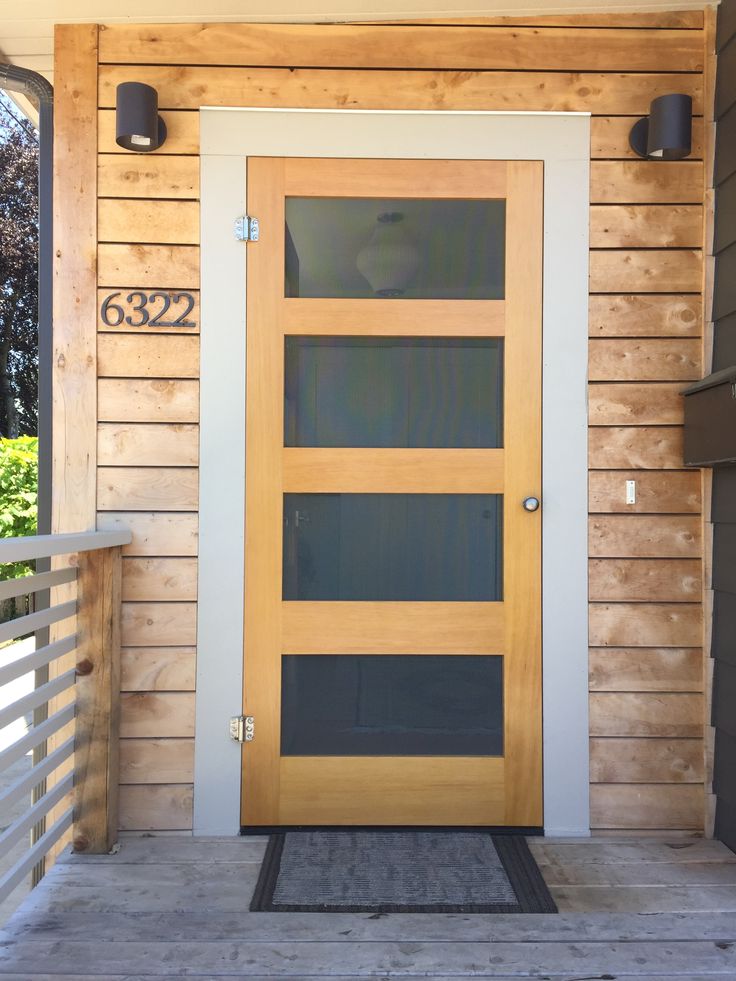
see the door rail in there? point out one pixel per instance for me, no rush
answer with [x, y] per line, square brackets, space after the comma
[67, 716]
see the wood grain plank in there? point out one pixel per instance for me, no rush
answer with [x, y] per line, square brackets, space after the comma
[646, 669]
[645, 536]
[143, 175]
[156, 761]
[599, 93]
[156, 715]
[157, 807]
[392, 470]
[407, 46]
[411, 790]
[148, 356]
[119, 296]
[149, 266]
[157, 668]
[522, 538]
[664, 715]
[146, 400]
[182, 133]
[645, 182]
[609, 138]
[147, 488]
[644, 359]
[645, 624]
[655, 806]
[652, 315]
[97, 727]
[159, 625]
[392, 628]
[159, 579]
[609, 135]
[645, 580]
[635, 447]
[123, 444]
[635, 404]
[154, 533]
[646, 760]
[647, 271]
[675, 20]
[150, 221]
[665, 492]
[645, 226]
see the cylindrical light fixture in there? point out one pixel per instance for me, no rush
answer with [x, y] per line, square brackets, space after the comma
[666, 133]
[138, 126]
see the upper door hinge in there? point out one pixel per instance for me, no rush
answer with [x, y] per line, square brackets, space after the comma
[242, 728]
[246, 229]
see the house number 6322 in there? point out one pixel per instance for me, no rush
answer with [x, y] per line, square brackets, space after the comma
[140, 309]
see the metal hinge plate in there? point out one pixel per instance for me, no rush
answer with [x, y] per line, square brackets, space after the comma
[247, 229]
[242, 728]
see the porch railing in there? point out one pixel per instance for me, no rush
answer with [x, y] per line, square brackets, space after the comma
[72, 782]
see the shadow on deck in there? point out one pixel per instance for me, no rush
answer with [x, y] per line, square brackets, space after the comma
[178, 907]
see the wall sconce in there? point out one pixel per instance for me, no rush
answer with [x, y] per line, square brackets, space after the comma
[390, 259]
[138, 126]
[665, 134]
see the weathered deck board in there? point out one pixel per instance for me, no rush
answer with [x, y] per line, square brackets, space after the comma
[176, 907]
[327, 959]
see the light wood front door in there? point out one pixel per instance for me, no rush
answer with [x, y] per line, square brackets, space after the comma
[393, 431]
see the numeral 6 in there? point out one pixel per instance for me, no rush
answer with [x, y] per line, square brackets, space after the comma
[107, 307]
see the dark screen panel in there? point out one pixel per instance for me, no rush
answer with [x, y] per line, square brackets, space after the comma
[392, 705]
[410, 547]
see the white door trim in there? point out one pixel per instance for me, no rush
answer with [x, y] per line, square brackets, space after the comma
[562, 141]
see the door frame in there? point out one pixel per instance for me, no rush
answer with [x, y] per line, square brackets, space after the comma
[562, 142]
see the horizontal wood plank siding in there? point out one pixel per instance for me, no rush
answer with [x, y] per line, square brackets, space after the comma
[722, 775]
[646, 329]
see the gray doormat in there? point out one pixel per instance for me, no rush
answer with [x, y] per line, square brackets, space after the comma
[400, 872]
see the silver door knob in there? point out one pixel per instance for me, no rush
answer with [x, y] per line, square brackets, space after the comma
[530, 503]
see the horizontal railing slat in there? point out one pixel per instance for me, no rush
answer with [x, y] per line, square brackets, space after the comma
[43, 656]
[44, 546]
[33, 856]
[37, 697]
[37, 735]
[38, 773]
[35, 621]
[33, 815]
[11, 588]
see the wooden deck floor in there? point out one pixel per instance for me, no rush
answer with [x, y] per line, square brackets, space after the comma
[177, 907]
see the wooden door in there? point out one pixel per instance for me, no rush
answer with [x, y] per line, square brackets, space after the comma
[392, 572]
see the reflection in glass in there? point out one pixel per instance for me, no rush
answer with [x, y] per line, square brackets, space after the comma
[392, 705]
[410, 547]
[394, 391]
[412, 248]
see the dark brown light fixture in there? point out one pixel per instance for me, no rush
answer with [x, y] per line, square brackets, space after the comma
[666, 133]
[138, 126]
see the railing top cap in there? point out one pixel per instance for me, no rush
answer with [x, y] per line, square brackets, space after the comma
[44, 546]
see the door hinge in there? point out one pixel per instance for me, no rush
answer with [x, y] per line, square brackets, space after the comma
[247, 229]
[242, 728]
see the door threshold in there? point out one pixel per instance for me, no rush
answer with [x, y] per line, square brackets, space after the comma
[270, 829]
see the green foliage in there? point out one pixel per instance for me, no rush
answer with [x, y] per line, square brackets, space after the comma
[18, 495]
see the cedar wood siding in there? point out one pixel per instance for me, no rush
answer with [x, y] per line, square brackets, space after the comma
[723, 513]
[646, 336]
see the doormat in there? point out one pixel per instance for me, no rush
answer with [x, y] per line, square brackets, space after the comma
[400, 872]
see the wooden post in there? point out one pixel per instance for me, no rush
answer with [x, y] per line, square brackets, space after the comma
[98, 702]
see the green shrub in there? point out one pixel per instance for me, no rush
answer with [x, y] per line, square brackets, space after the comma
[18, 495]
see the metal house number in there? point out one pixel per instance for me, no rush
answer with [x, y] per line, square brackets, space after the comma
[142, 309]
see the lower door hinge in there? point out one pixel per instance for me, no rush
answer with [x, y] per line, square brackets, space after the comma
[242, 728]
[247, 229]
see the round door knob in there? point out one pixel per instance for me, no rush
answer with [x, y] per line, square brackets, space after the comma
[530, 503]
